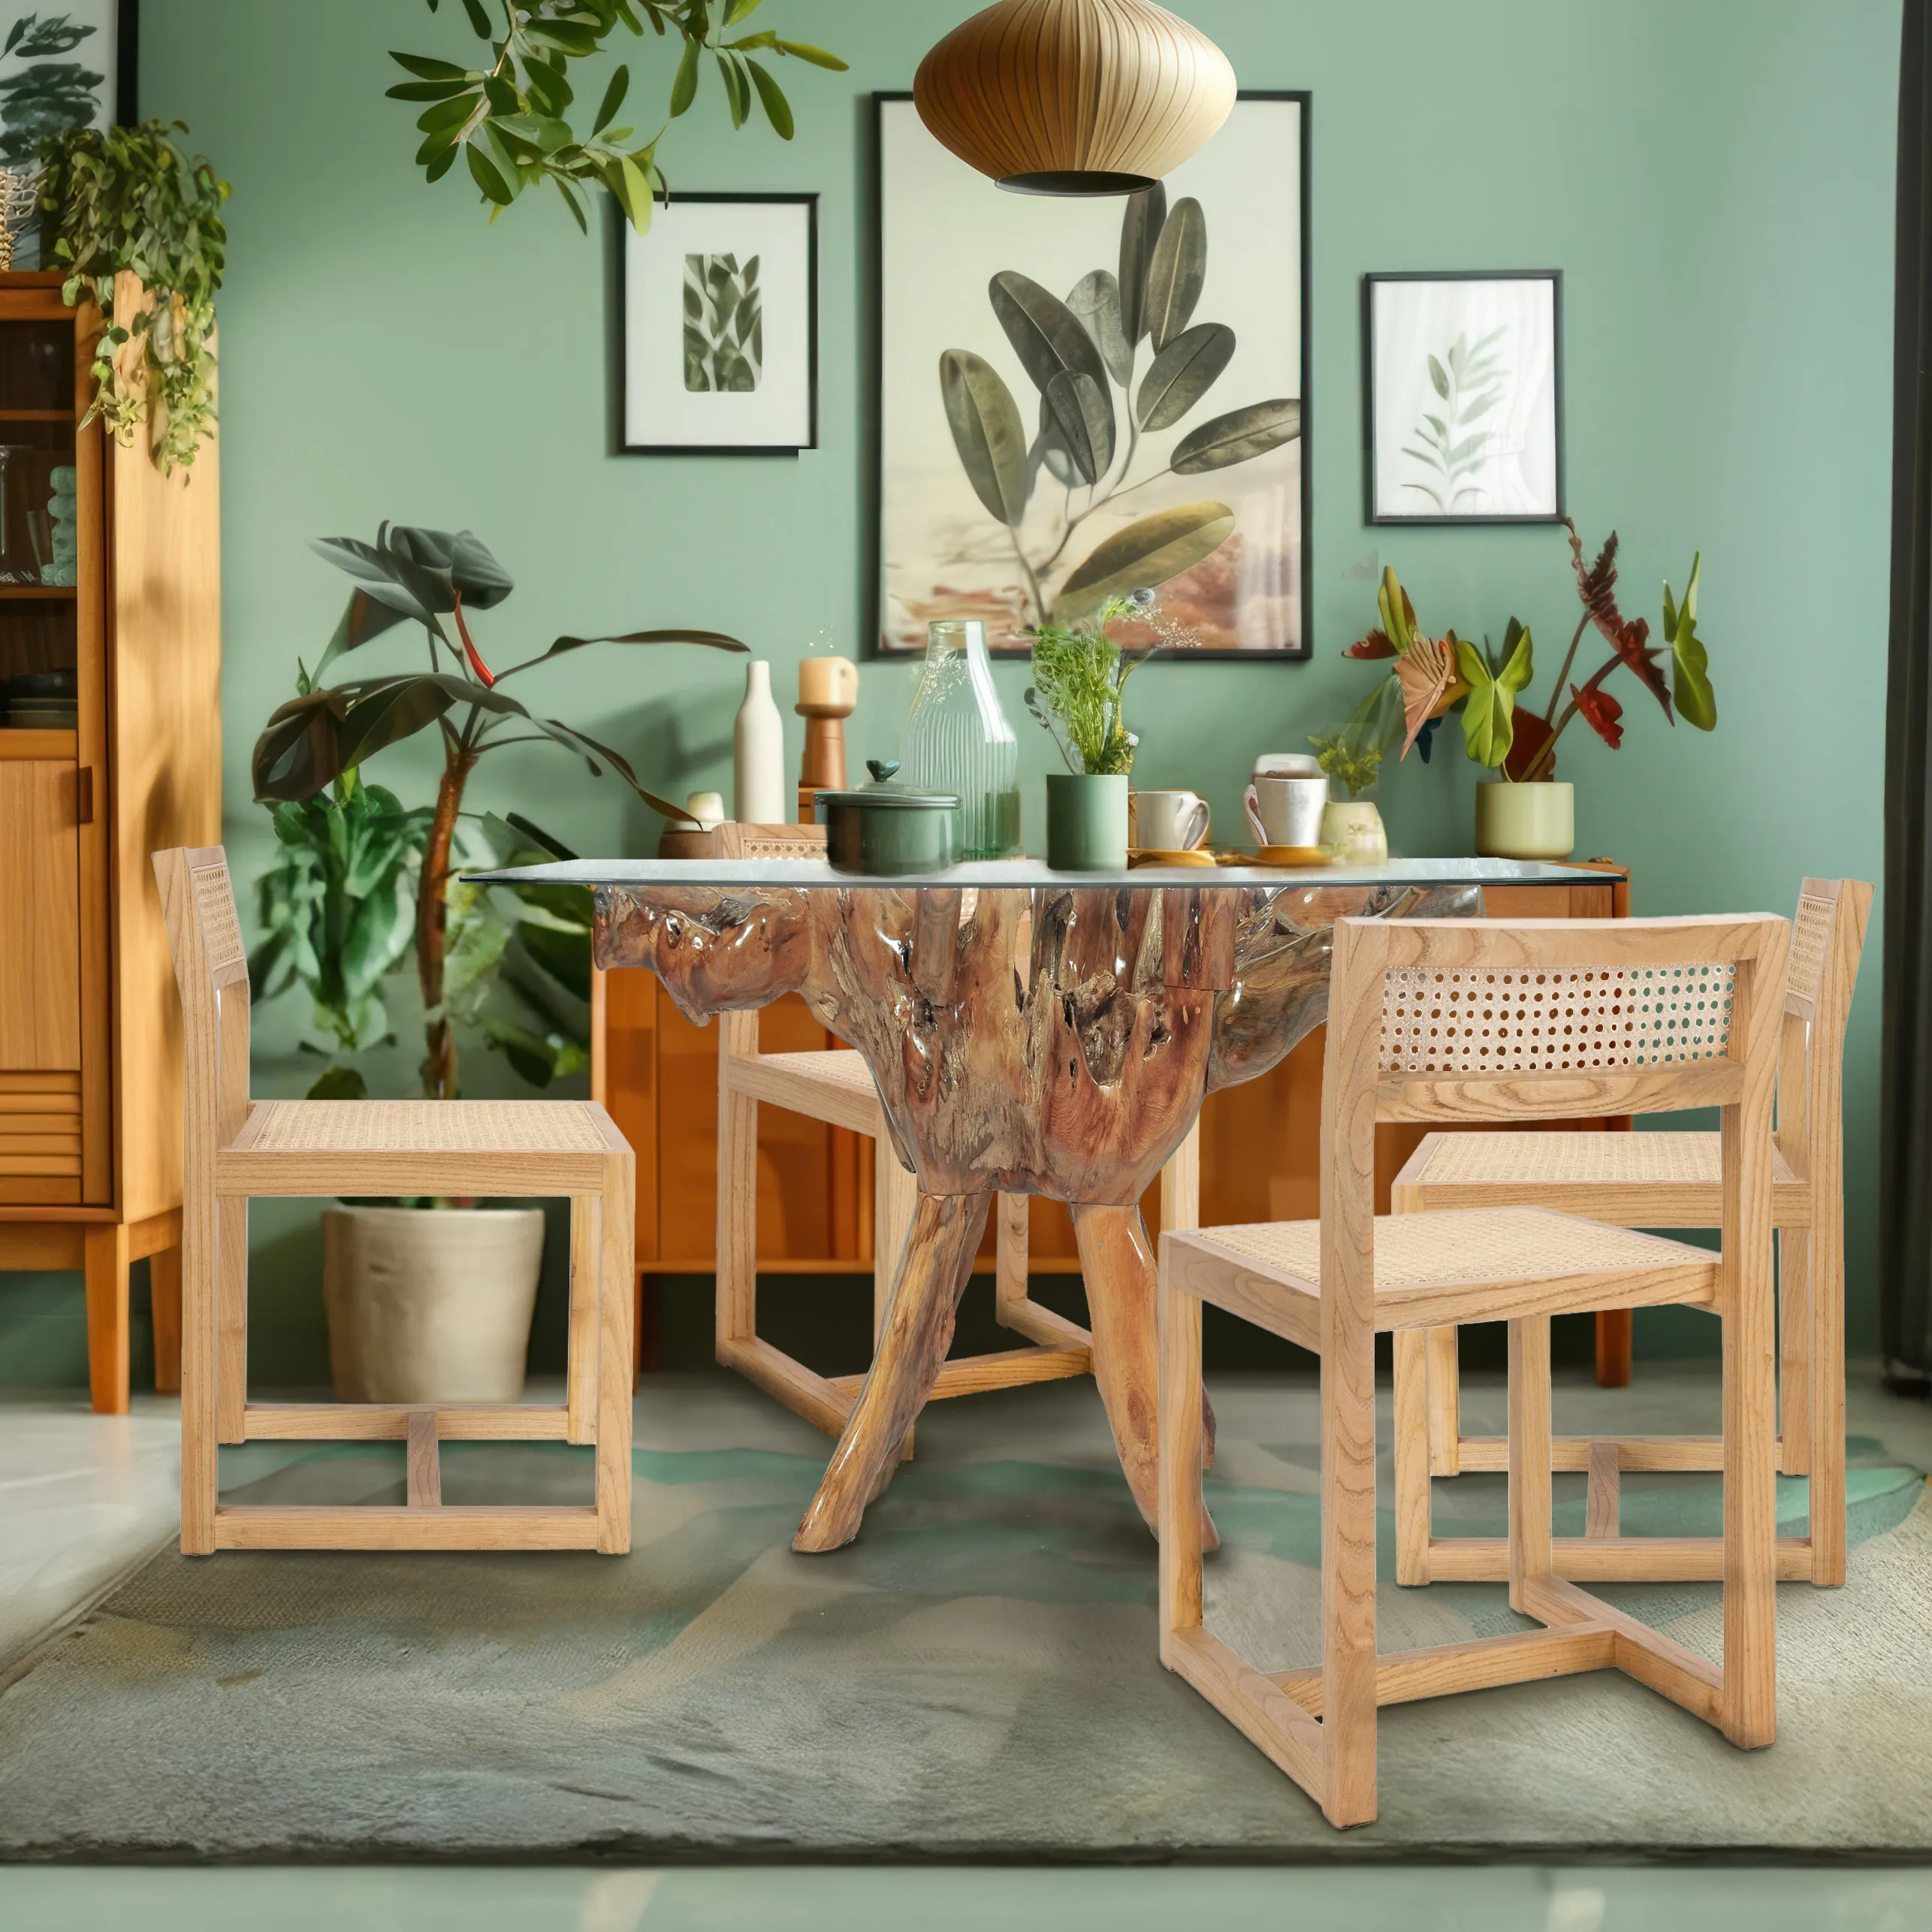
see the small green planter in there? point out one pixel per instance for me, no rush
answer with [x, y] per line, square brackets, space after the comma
[1086, 822]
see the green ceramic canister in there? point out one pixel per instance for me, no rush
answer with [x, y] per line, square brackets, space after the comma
[884, 830]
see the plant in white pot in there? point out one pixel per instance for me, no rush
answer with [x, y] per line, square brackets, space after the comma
[425, 1306]
[1524, 811]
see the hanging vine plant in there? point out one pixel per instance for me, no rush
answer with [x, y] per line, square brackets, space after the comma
[116, 198]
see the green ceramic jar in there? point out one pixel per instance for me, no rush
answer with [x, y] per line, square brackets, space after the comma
[1086, 822]
[886, 830]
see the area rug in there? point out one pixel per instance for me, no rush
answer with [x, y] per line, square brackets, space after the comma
[975, 1678]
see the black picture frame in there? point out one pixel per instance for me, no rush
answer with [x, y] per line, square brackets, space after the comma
[872, 601]
[127, 62]
[1554, 276]
[622, 446]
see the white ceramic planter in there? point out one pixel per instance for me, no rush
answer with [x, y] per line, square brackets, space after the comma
[430, 1304]
[1352, 829]
[1532, 821]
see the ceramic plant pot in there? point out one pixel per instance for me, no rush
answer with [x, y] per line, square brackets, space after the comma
[1353, 833]
[430, 1304]
[1086, 822]
[1532, 821]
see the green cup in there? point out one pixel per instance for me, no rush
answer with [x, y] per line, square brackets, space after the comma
[1086, 822]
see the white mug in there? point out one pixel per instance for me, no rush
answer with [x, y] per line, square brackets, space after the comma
[1286, 810]
[1168, 821]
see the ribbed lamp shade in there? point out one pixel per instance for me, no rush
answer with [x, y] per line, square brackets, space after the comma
[1074, 97]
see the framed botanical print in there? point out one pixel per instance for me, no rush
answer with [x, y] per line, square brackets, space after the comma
[721, 328]
[67, 66]
[1463, 379]
[1083, 398]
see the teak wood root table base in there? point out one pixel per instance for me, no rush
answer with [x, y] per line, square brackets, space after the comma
[1031, 1032]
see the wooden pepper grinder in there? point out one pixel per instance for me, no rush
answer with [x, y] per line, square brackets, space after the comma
[828, 692]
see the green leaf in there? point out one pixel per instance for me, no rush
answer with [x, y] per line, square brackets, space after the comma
[714, 640]
[684, 88]
[1182, 373]
[777, 109]
[425, 69]
[987, 433]
[1045, 334]
[614, 99]
[1176, 271]
[738, 9]
[1095, 300]
[1145, 554]
[1140, 231]
[479, 20]
[483, 171]
[1237, 437]
[1488, 725]
[817, 56]
[447, 114]
[429, 90]
[1691, 685]
[1439, 376]
[1083, 414]
[738, 96]
[340, 1083]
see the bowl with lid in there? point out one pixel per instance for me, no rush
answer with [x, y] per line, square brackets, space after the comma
[884, 830]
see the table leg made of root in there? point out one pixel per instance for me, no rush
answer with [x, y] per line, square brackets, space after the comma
[1056, 1041]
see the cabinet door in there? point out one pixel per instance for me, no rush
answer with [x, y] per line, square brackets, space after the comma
[39, 981]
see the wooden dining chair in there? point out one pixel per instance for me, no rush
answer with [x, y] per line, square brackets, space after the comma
[835, 1086]
[1451, 1020]
[1667, 1180]
[236, 1149]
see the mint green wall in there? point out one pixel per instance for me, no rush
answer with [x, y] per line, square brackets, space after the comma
[1714, 176]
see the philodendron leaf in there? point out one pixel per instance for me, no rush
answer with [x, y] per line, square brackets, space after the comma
[1237, 437]
[1046, 335]
[1083, 414]
[1691, 687]
[1145, 553]
[1182, 373]
[1176, 271]
[987, 432]
[1488, 717]
[1095, 300]
[1397, 613]
[1140, 231]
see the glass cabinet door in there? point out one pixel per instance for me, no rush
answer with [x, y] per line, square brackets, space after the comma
[39, 527]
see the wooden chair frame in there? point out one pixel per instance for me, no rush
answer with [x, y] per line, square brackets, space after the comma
[747, 1078]
[1319, 1725]
[1807, 1208]
[234, 1151]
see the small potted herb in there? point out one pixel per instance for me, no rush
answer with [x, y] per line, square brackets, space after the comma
[1079, 682]
[1351, 758]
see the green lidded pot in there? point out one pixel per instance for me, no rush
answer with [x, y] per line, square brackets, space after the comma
[885, 829]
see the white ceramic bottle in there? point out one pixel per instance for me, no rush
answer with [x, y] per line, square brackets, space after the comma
[758, 796]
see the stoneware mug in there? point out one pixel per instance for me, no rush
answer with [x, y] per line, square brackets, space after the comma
[1286, 810]
[1168, 821]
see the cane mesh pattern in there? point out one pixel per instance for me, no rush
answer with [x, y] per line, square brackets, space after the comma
[215, 911]
[1679, 1160]
[1458, 1246]
[835, 1069]
[423, 1127]
[1810, 945]
[1482, 1019]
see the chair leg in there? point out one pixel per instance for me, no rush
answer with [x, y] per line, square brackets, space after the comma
[584, 1366]
[738, 1190]
[1530, 1492]
[1180, 1430]
[1748, 1701]
[615, 1215]
[1412, 1445]
[1794, 1409]
[1827, 1390]
[231, 1321]
[1348, 1578]
[164, 1275]
[200, 1360]
[1445, 1402]
[105, 1251]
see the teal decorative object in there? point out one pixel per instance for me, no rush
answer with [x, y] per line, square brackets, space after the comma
[1086, 822]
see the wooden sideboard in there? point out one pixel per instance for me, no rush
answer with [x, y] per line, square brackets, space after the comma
[90, 1030]
[657, 1074]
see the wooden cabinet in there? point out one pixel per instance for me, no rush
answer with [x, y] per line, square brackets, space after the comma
[657, 1072]
[110, 748]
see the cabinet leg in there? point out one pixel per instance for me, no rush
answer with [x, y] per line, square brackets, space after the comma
[163, 1268]
[106, 1261]
[1613, 1349]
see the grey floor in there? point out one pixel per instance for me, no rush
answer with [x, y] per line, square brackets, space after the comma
[85, 1500]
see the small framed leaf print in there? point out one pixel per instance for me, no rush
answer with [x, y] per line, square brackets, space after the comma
[721, 328]
[1463, 377]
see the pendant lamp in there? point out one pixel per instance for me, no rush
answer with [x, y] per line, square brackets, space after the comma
[1074, 97]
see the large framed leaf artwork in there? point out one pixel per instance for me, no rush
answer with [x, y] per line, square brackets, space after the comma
[69, 65]
[1463, 397]
[721, 328]
[1083, 397]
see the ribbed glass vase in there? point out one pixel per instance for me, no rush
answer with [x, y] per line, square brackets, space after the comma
[957, 739]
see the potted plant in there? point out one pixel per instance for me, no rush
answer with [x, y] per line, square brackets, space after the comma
[1351, 758]
[1525, 811]
[425, 1306]
[1078, 688]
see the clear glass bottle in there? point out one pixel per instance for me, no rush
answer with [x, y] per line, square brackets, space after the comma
[957, 739]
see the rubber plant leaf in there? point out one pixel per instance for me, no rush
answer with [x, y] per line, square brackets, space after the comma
[987, 432]
[1602, 712]
[1176, 271]
[1488, 718]
[1140, 228]
[1238, 436]
[713, 640]
[1147, 553]
[1046, 335]
[1697, 701]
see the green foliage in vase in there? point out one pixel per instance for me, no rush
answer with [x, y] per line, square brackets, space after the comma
[1468, 383]
[1079, 681]
[46, 96]
[724, 324]
[425, 576]
[1488, 711]
[1351, 755]
[118, 198]
[1096, 401]
[507, 118]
